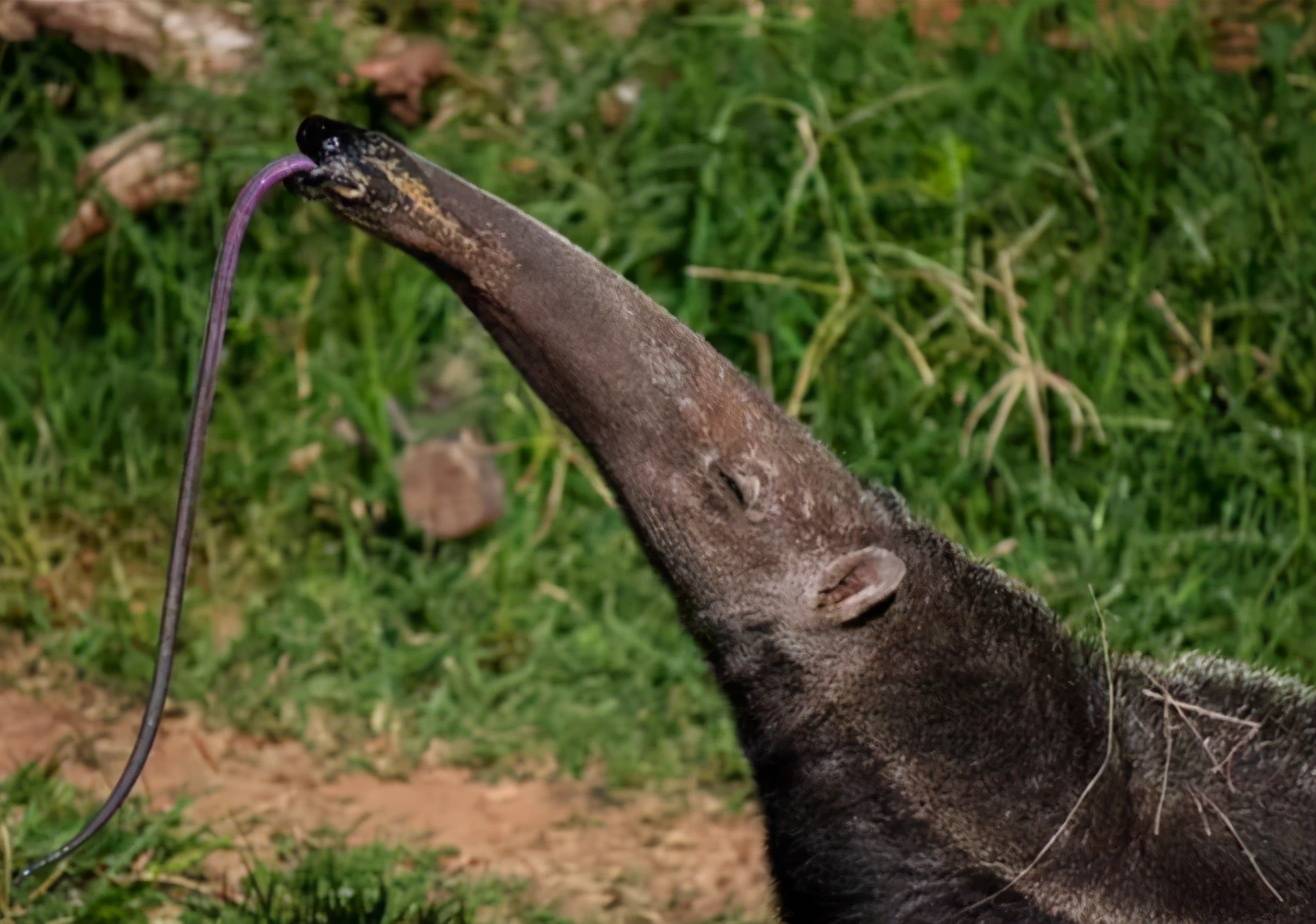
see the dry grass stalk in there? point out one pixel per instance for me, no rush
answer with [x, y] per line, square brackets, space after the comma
[1200, 350]
[1182, 708]
[835, 321]
[1251, 857]
[1197, 350]
[553, 503]
[841, 313]
[817, 131]
[1168, 730]
[49, 882]
[808, 167]
[910, 343]
[555, 442]
[301, 353]
[1029, 376]
[196, 886]
[905, 94]
[723, 274]
[1088, 183]
[1253, 728]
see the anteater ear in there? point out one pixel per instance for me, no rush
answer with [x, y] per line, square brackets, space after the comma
[858, 581]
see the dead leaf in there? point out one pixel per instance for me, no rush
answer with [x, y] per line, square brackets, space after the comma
[401, 68]
[1234, 45]
[450, 488]
[137, 168]
[202, 42]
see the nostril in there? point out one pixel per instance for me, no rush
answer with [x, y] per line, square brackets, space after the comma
[319, 137]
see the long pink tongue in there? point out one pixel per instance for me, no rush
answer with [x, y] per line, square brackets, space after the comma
[257, 188]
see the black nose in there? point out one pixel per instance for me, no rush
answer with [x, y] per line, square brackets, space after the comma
[318, 137]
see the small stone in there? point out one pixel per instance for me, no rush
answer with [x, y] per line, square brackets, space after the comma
[450, 487]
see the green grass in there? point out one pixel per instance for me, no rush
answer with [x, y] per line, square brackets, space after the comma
[1192, 522]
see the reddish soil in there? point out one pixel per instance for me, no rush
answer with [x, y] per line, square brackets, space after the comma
[590, 854]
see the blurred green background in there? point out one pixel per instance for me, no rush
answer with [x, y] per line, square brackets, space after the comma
[852, 210]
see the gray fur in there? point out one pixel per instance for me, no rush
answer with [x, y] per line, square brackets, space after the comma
[915, 752]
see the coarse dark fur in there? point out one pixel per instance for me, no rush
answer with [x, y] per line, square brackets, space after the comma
[920, 727]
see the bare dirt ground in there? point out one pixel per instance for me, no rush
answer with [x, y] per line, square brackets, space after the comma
[591, 854]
